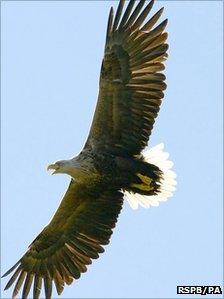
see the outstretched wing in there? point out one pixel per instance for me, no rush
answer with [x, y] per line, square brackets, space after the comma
[131, 82]
[60, 253]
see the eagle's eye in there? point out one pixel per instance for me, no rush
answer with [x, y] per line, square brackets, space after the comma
[58, 164]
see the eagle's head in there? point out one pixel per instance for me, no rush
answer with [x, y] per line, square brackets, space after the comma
[59, 167]
[71, 167]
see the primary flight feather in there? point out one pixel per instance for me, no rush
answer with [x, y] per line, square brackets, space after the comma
[112, 163]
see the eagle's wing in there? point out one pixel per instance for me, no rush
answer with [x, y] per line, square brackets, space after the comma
[131, 82]
[82, 223]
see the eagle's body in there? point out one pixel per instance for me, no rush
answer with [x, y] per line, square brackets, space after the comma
[103, 168]
[112, 163]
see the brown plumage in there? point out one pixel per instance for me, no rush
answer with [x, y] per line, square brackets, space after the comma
[130, 76]
[130, 95]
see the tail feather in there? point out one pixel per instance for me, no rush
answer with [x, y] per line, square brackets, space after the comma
[158, 157]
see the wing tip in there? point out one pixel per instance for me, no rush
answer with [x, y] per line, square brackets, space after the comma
[10, 270]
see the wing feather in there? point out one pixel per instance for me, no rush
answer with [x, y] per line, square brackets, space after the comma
[47, 284]
[37, 286]
[127, 13]
[74, 237]
[151, 22]
[131, 82]
[143, 15]
[27, 285]
[135, 14]
[13, 278]
[118, 14]
[109, 24]
[19, 284]
[58, 281]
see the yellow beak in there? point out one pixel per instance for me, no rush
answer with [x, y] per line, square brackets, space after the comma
[54, 167]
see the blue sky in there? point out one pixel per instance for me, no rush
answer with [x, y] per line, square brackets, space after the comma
[51, 57]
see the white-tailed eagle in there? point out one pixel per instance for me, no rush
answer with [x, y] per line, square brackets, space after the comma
[112, 164]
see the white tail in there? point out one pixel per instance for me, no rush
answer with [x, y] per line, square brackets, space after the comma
[158, 157]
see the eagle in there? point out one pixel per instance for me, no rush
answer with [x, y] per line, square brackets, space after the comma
[113, 165]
